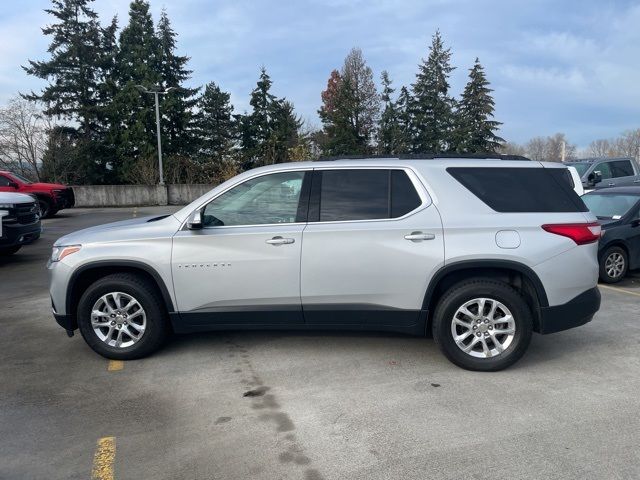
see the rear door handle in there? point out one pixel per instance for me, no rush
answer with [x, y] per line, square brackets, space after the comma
[419, 236]
[636, 181]
[612, 184]
[280, 241]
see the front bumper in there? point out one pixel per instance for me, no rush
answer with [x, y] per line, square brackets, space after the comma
[574, 313]
[65, 199]
[16, 234]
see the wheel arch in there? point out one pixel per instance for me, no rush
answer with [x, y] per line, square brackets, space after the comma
[615, 242]
[89, 273]
[516, 274]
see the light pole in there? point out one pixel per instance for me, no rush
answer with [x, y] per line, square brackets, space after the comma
[155, 94]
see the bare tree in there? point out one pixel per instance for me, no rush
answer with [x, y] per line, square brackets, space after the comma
[600, 148]
[536, 148]
[23, 137]
[512, 148]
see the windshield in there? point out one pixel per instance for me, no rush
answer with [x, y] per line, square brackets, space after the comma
[610, 205]
[21, 178]
[580, 167]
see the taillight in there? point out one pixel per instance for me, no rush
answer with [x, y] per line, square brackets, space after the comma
[581, 233]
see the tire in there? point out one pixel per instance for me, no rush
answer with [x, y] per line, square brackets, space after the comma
[614, 263]
[9, 250]
[45, 208]
[516, 331]
[153, 318]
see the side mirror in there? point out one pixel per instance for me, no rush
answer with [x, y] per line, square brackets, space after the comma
[195, 220]
[14, 185]
[594, 178]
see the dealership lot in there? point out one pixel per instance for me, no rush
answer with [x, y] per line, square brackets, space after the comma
[308, 405]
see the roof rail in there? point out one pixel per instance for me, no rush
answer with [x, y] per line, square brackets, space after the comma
[426, 156]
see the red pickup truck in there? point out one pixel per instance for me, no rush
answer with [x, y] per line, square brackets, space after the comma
[52, 197]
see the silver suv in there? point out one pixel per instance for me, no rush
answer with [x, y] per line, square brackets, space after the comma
[480, 252]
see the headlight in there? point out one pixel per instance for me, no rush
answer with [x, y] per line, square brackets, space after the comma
[61, 251]
[6, 205]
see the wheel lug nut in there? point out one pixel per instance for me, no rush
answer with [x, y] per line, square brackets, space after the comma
[490, 327]
[478, 334]
[113, 323]
[125, 323]
[475, 328]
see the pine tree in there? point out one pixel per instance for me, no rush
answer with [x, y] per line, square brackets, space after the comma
[350, 108]
[214, 125]
[178, 104]
[133, 112]
[432, 107]
[255, 127]
[74, 67]
[284, 128]
[403, 107]
[476, 127]
[75, 72]
[390, 135]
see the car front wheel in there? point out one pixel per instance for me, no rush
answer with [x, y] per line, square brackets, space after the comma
[483, 325]
[121, 317]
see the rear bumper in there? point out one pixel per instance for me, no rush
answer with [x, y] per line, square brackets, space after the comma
[574, 313]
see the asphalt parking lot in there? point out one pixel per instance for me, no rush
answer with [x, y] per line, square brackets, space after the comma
[322, 405]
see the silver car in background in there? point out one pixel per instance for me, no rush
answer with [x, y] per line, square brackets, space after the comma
[478, 252]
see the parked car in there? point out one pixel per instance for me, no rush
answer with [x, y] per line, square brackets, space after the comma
[618, 210]
[52, 197]
[575, 181]
[345, 244]
[19, 222]
[607, 172]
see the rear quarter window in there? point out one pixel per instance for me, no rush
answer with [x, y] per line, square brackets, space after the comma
[520, 190]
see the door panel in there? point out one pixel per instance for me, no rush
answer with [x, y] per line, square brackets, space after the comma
[367, 272]
[243, 267]
[232, 275]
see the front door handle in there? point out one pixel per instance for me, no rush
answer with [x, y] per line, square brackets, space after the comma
[280, 241]
[636, 181]
[419, 236]
[612, 184]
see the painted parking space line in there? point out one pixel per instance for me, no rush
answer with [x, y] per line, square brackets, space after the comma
[620, 290]
[103, 459]
[115, 365]
[135, 212]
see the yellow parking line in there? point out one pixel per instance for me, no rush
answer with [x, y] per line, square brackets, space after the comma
[115, 365]
[621, 290]
[103, 459]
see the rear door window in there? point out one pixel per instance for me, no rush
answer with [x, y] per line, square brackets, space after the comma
[621, 168]
[362, 194]
[520, 189]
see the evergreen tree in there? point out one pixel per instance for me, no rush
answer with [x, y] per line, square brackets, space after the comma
[390, 139]
[75, 72]
[432, 107]
[350, 108]
[403, 107]
[214, 125]
[178, 104]
[284, 128]
[133, 111]
[476, 127]
[255, 128]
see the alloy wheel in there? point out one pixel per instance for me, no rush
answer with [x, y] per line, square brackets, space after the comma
[614, 265]
[483, 327]
[118, 319]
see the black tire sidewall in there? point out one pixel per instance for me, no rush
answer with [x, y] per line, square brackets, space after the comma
[9, 250]
[603, 259]
[46, 211]
[156, 329]
[462, 293]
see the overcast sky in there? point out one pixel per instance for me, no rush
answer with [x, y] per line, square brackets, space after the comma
[555, 66]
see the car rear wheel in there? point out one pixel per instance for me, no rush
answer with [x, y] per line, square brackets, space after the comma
[482, 324]
[613, 265]
[121, 317]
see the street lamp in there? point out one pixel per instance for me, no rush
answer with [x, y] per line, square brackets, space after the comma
[155, 94]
